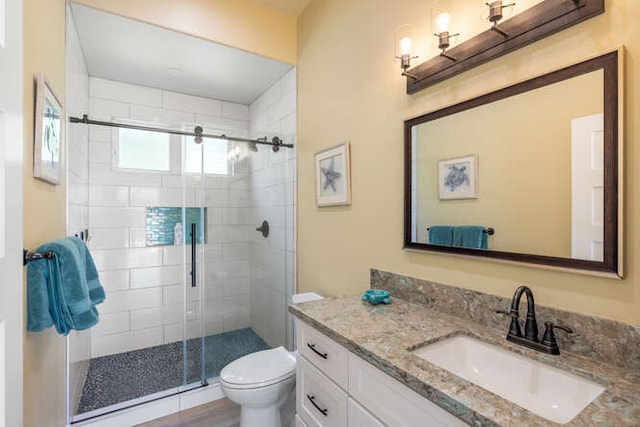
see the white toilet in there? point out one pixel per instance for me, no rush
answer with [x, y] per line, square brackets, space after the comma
[263, 383]
[260, 383]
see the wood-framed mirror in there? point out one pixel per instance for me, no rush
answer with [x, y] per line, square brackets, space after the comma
[529, 173]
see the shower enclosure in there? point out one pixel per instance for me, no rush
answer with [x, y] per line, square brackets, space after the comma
[191, 284]
[197, 268]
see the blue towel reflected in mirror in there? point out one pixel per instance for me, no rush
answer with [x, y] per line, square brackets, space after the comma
[464, 236]
[440, 235]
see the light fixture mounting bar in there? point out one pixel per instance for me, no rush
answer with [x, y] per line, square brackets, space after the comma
[535, 23]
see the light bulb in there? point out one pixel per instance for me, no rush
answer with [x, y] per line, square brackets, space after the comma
[442, 23]
[405, 46]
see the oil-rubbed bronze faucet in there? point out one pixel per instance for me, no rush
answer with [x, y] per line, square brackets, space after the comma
[530, 338]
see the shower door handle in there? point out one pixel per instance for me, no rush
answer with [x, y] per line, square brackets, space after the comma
[193, 254]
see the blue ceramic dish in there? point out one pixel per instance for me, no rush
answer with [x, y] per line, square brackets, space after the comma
[376, 296]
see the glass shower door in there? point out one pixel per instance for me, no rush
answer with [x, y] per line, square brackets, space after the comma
[148, 343]
[194, 235]
[236, 302]
[216, 295]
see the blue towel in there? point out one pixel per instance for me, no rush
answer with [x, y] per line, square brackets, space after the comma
[63, 291]
[441, 235]
[470, 236]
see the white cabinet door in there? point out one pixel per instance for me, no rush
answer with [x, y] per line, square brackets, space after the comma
[360, 417]
[327, 355]
[319, 402]
[391, 401]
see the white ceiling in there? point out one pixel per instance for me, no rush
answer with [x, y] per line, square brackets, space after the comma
[130, 51]
[290, 7]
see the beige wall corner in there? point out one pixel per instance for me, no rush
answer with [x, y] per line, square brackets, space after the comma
[242, 24]
[350, 88]
[44, 209]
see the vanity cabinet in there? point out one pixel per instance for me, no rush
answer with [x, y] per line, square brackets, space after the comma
[335, 388]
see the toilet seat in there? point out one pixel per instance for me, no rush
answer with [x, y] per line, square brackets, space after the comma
[259, 369]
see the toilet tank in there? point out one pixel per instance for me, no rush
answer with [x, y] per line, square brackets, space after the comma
[307, 296]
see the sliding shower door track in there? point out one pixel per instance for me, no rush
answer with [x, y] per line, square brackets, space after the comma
[136, 402]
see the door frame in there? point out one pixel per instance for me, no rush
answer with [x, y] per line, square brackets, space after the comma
[11, 184]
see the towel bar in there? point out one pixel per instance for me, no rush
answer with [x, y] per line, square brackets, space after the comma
[490, 231]
[83, 235]
[28, 256]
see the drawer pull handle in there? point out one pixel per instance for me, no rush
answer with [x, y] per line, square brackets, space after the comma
[313, 347]
[312, 399]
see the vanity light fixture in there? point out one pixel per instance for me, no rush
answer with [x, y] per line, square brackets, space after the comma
[533, 24]
[405, 55]
[496, 14]
[442, 27]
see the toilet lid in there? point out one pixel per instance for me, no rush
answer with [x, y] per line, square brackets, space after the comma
[259, 369]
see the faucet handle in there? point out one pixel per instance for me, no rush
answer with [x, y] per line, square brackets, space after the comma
[549, 338]
[564, 328]
[552, 326]
[505, 312]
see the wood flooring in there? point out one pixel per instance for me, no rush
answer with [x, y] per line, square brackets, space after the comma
[220, 413]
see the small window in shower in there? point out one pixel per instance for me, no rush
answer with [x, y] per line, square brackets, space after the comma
[216, 156]
[166, 225]
[143, 150]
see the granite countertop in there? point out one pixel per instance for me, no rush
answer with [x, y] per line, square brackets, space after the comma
[384, 335]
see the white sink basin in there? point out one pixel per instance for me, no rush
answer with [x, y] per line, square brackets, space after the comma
[544, 390]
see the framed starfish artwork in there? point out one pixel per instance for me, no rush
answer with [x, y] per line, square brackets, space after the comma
[333, 176]
[458, 178]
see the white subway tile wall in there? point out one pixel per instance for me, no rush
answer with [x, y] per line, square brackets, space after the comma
[249, 279]
[78, 196]
[272, 198]
[145, 292]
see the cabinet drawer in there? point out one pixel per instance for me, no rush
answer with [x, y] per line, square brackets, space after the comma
[393, 403]
[319, 402]
[360, 417]
[327, 355]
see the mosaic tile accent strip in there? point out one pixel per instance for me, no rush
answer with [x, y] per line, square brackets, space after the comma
[600, 339]
[124, 376]
[161, 223]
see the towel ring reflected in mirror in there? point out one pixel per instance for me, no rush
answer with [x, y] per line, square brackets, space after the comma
[525, 191]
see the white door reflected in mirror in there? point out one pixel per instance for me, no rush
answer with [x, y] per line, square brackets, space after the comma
[587, 187]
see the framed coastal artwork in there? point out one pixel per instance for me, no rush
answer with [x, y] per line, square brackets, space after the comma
[458, 178]
[333, 181]
[47, 140]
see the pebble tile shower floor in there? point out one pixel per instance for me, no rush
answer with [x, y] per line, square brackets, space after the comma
[124, 376]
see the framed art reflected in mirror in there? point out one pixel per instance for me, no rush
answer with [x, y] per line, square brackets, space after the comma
[458, 178]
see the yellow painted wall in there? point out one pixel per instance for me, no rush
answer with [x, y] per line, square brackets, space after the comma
[239, 23]
[521, 151]
[350, 88]
[44, 210]
[242, 24]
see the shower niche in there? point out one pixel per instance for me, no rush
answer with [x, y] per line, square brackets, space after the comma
[178, 308]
